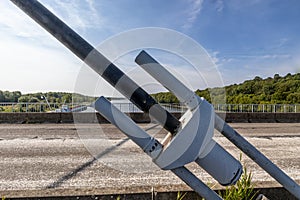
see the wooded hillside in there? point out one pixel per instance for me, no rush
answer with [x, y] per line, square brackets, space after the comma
[276, 90]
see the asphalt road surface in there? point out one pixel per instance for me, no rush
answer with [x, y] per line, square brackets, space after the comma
[40, 159]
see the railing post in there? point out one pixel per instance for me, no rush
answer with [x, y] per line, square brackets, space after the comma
[286, 108]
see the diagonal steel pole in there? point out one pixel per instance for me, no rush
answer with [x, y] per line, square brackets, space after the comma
[98, 62]
[151, 66]
[101, 65]
[257, 156]
[140, 98]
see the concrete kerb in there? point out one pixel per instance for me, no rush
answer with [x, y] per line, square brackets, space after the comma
[274, 193]
[287, 117]
[20, 118]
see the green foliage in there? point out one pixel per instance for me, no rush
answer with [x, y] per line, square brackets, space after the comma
[165, 97]
[204, 93]
[6, 96]
[180, 195]
[52, 97]
[276, 90]
[79, 98]
[243, 190]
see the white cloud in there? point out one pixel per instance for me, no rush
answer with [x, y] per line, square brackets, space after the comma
[249, 57]
[219, 5]
[30, 68]
[14, 22]
[192, 12]
[214, 57]
[31, 59]
[239, 5]
[279, 44]
[246, 67]
[275, 56]
[78, 14]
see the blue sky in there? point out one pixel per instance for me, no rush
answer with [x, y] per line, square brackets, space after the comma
[244, 38]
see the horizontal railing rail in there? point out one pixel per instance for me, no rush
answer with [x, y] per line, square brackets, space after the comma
[265, 108]
[12, 107]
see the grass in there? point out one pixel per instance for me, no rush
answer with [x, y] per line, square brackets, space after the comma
[243, 190]
[180, 195]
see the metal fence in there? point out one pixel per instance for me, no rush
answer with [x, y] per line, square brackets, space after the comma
[31, 107]
[129, 107]
[267, 108]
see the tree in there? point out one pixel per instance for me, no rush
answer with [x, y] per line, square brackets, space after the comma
[34, 100]
[24, 99]
[67, 98]
[2, 98]
[278, 89]
[16, 95]
[276, 77]
[257, 78]
[268, 89]
[293, 98]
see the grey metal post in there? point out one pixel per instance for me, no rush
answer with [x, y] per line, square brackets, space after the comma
[98, 62]
[145, 61]
[81, 48]
[107, 70]
[257, 156]
[195, 183]
[284, 108]
[145, 141]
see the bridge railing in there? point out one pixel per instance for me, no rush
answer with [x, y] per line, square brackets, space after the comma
[30, 107]
[10, 107]
[270, 108]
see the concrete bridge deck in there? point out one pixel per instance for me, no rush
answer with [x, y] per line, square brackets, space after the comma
[52, 159]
